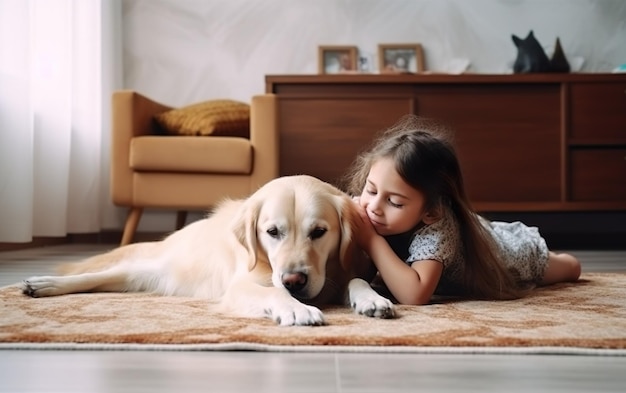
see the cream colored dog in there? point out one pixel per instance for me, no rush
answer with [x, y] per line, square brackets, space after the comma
[288, 244]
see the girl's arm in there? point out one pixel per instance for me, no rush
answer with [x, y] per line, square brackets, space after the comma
[413, 284]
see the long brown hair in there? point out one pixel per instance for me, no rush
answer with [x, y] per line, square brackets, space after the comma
[426, 160]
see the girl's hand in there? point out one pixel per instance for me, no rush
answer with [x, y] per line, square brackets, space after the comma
[364, 230]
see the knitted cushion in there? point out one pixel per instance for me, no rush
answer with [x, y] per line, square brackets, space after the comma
[213, 117]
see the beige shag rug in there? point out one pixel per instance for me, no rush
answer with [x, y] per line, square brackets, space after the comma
[585, 317]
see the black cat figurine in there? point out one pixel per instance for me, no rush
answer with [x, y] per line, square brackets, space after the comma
[558, 61]
[532, 58]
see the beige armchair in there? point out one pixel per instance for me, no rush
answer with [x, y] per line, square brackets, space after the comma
[185, 173]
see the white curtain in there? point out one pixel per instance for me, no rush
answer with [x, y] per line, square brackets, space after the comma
[58, 67]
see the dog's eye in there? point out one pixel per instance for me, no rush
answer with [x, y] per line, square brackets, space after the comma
[317, 233]
[273, 232]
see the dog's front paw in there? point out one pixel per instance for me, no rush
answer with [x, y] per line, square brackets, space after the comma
[374, 305]
[296, 313]
[365, 301]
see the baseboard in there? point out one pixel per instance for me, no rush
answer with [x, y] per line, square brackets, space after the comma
[104, 237]
[36, 242]
[586, 241]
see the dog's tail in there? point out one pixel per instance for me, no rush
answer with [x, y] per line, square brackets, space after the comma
[104, 261]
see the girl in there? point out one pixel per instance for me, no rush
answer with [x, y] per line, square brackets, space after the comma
[421, 234]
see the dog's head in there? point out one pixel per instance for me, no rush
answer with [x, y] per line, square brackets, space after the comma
[302, 227]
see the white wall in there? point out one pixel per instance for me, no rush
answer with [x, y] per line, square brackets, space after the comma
[183, 51]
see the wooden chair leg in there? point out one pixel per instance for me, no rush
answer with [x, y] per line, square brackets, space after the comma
[181, 219]
[131, 225]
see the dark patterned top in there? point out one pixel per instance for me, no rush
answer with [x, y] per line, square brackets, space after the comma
[520, 247]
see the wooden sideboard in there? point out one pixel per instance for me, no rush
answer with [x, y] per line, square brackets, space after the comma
[540, 142]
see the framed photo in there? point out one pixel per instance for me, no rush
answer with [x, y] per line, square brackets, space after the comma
[337, 59]
[400, 58]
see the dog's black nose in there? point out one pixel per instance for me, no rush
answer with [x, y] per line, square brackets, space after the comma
[294, 282]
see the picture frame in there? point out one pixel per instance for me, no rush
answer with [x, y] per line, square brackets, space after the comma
[337, 59]
[400, 58]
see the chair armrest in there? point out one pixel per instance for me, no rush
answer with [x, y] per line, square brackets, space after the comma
[132, 115]
[264, 138]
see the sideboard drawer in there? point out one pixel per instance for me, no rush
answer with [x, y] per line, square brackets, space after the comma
[598, 175]
[321, 137]
[506, 137]
[598, 112]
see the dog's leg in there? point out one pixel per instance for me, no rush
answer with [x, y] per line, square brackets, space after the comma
[366, 301]
[248, 299]
[111, 280]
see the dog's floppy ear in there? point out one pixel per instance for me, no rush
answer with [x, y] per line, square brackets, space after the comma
[347, 218]
[244, 227]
